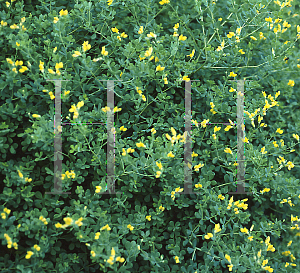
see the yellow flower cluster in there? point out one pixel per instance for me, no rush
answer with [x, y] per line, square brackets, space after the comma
[52, 97]
[106, 227]
[76, 54]
[68, 222]
[227, 257]
[141, 93]
[177, 259]
[237, 204]
[204, 123]
[176, 190]
[162, 2]
[192, 54]
[20, 63]
[161, 208]
[130, 227]
[219, 48]
[86, 46]
[57, 67]
[112, 256]
[7, 211]
[212, 105]
[9, 242]
[43, 219]
[75, 109]
[216, 229]
[129, 150]
[288, 201]
[68, 174]
[265, 190]
[141, 30]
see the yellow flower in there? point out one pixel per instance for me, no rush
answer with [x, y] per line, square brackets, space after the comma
[158, 173]
[159, 165]
[231, 34]
[37, 247]
[228, 151]
[250, 238]
[63, 12]
[59, 65]
[105, 109]
[140, 144]
[153, 131]
[170, 154]
[296, 136]
[23, 69]
[291, 83]
[246, 140]
[197, 167]
[220, 19]
[161, 208]
[141, 30]
[290, 165]
[182, 38]
[227, 257]
[192, 54]
[51, 71]
[209, 235]
[241, 51]
[97, 234]
[68, 220]
[103, 52]
[76, 54]
[28, 255]
[162, 2]
[55, 20]
[216, 129]
[204, 122]
[269, 19]
[148, 217]
[194, 154]
[109, 2]
[220, 196]
[159, 68]
[17, 44]
[263, 150]
[107, 227]
[114, 29]
[86, 46]
[130, 227]
[151, 35]
[36, 116]
[279, 131]
[232, 74]
[122, 128]
[149, 52]
[253, 38]
[244, 230]
[186, 78]
[217, 228]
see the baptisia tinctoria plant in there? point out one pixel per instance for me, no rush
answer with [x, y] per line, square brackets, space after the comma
[151, 50]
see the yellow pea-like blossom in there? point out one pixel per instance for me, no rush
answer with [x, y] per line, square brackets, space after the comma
[159, 68]
[208, 236]
[104, 52]
[141, 30]
[228, 151]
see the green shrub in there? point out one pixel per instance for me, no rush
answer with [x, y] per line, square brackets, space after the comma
[152, 48]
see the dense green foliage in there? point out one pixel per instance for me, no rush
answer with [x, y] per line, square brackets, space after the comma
[152, 48]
